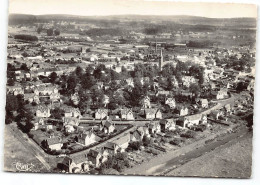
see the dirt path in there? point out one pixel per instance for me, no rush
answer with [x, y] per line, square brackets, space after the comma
[180, 156]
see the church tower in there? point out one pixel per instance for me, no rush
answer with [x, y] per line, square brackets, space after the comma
[161, 61]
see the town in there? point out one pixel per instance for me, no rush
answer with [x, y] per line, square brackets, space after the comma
[96, 100]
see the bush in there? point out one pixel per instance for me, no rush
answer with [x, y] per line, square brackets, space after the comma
[176, 142]
[146, 141]
[26, 37]
[135, 145]
[188, 134]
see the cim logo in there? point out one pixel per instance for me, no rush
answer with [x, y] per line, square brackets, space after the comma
[28, 167]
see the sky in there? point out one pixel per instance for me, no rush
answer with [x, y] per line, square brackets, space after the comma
[143, 7]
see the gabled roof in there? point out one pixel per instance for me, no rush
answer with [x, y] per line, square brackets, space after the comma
[52, 141]
[107, 123]
[122, 140]
[125, 111]
[151, 111]
[93, 153]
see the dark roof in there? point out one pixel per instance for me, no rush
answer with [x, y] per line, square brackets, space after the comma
[52, 141]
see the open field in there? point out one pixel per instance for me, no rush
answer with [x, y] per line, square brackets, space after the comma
[231, 161]
[16, 155]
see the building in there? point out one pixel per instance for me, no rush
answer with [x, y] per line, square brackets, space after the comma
[101, 114]
[88, 138]
[146, 102]
[70, 121]
[152, 114]
[171, 102]
[43, 111]
[95, 157]
[72, 112]
[154, 127]
[76, 164]
[53, 143]
[127, 114]
[107, 126]
[167, 125]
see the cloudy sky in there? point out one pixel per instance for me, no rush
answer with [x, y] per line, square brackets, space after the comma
[143, 7]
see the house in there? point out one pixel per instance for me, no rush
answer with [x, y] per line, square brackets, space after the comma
[144, 131]
[216, 114]
[182, 111]
[69, 128]
[127, 114]
[101, 113]
[182, 122]
[166, 93]
[53, 143]
[204, 119]
[70, 121]
[188, 80]
[167, 125]
[75, 164]
[106, 100]
[43, 111]
[227, 108]
[18, 91]
[122, 143]
[221, 94]
[15, 90]
[192, 120]
[75, 98]
[40, 120]
[107, 126]
[45, 90]
[100, 85]
[251, 85]
[171, 102]
[72, 112]
[110, 148]
[136, 135]
[154, 127]
[29, 97]
[88, 138]
[153, 114]
[94, 157]
[204, 103]
[146, 102]
[55, 97]
[129, 82]
[49, 127]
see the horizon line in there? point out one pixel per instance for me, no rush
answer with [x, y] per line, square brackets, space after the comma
[162, 15]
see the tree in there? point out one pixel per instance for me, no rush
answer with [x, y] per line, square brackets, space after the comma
[50, 31]
[170, 85]
[11, 81]
[194, 89]
[57, 32]
[24, 67]
[72, 82]
[57, 113]
[135, 145]
[39, 29]
[53, 77]
[79, 71]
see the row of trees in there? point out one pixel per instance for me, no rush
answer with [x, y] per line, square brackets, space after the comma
[50, 31]
[16, 111]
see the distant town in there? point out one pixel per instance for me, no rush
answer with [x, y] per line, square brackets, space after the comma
[117, 96]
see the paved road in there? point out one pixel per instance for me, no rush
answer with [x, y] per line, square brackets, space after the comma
[104, 143]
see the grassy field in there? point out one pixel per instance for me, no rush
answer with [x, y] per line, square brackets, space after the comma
[17, 156]
[231, 161]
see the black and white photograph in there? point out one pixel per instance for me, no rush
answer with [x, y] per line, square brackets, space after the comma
[130, 87]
